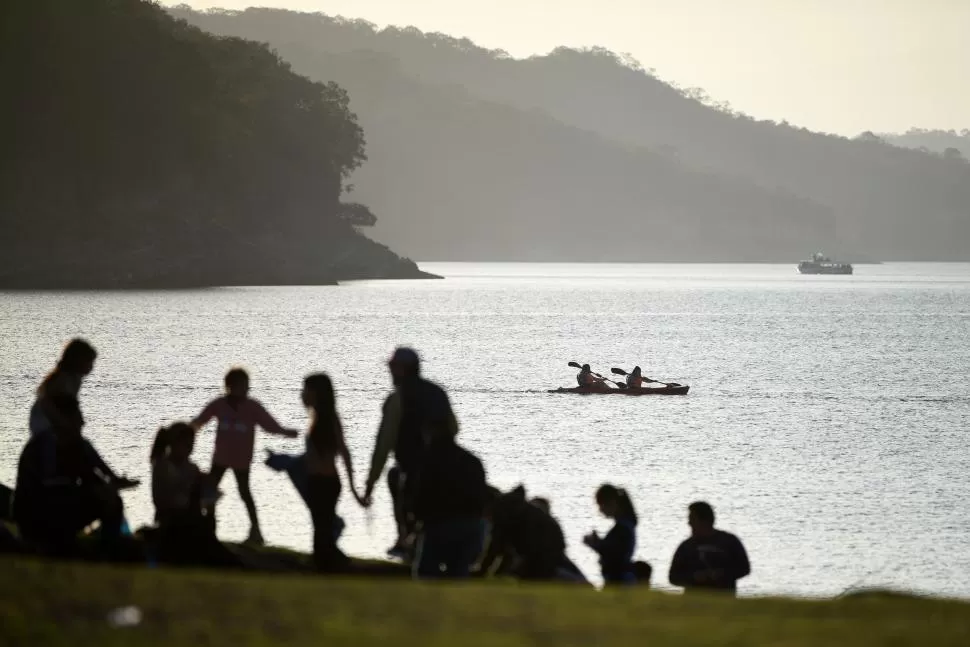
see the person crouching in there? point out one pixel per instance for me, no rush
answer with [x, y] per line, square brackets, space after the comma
[449, 508]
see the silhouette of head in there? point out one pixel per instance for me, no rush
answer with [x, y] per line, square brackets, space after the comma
[404, 365]
[614, 503]
[636, 371]
[78, 357]
[318, 395]
[586, 367]
[175, 442]
[237, 383]
[700, 518]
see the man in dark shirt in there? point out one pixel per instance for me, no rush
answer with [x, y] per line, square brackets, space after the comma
[449, 506]
[415, 406]
[710, 559]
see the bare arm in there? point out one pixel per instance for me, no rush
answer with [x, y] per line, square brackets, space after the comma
[269, 424]
[344, 452]
[386, 439]
[203, 418]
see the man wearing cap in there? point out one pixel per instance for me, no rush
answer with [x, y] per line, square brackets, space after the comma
[416, 410]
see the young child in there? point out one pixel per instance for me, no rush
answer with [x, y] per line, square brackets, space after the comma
[616, 548]
[184, 502]
[238, 416]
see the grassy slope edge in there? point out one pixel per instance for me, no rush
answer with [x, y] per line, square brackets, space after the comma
[48, 604]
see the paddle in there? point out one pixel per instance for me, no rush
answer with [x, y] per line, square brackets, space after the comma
[580, 367]
[620, 371]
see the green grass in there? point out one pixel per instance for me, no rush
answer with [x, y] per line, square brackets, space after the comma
[46, 604]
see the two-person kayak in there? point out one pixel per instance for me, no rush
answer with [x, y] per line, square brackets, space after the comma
[671, 389]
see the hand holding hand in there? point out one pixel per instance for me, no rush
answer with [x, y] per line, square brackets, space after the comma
[125, 483]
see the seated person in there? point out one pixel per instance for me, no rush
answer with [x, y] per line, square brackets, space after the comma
[589, 380]
[184, 503]
[64, 486]
[616, 549]
[449, 507]
[525, 540]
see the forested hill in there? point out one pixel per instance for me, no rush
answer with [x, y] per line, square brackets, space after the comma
[585, 155]
[142, 152]
[948, 143]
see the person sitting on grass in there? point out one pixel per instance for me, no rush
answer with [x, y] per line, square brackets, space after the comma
[184, 503]
[449, 507]
[710, 559]
[617, 547]
[64, 486]
[525, 540]
[238, 415]
[76, 363]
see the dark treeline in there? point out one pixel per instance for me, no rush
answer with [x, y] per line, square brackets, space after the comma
[141, 151]
[586, 155]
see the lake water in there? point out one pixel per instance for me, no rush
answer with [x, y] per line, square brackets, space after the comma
[826, 421]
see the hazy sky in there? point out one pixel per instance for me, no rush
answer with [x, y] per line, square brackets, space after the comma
[836, 65]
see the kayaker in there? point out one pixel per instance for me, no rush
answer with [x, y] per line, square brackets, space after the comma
[710, 559]
[586, 378]
[415, 406]
[635, 380]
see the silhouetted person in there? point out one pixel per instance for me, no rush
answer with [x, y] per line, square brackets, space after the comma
[449, 508]
[63, 486]
[617, 547]
[76, 363]
[325, 442]
[635, 379]
[415, 407]
[184, 503]
[710, 559]
[238, 416]
[586, 379]
[525, 542]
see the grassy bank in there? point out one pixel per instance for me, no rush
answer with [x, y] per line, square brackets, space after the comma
[48, 604]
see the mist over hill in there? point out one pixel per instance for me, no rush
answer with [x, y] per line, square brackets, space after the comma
[585, 155]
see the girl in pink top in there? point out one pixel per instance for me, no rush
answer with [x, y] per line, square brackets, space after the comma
[237, 416]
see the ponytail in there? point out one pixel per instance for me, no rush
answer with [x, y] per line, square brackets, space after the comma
[625, 509]
[626, 505]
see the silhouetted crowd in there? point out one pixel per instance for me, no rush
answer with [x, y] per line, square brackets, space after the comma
[450, 522]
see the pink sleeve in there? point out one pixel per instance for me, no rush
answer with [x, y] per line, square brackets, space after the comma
[207, 414]
[266, 421]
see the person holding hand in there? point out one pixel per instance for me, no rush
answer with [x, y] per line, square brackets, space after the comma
[237, 416]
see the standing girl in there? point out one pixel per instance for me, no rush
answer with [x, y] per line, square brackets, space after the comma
[325, 441]
[237, 416]
[616, 548]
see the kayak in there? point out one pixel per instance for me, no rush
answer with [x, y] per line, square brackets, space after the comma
[674, 389]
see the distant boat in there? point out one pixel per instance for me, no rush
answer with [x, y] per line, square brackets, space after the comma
[822, 264]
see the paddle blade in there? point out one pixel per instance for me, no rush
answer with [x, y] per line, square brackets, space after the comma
[575, 365]
[617, 371]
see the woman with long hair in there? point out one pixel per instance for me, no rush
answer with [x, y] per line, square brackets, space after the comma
[616, 548]
[76, 363]
[325, 441]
